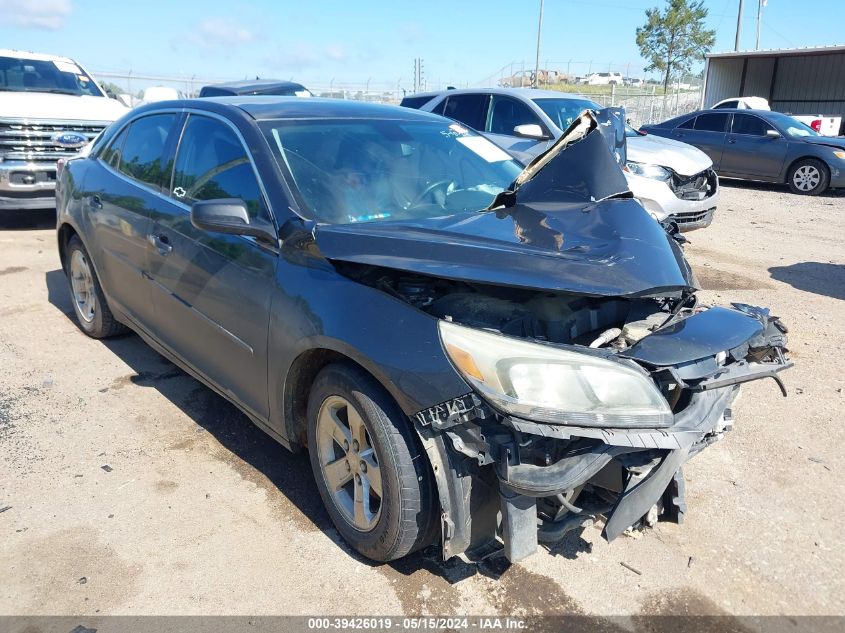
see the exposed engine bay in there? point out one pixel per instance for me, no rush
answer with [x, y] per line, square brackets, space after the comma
[558, 478]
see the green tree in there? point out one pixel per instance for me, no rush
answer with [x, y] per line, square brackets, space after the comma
[111, 88]
[673, 40]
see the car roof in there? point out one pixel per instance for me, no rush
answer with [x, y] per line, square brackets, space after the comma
[256, 84]
[526, 93]
[264, 107]
[42, 57]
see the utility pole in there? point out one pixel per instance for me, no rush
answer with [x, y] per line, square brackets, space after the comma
[739, 24]
[760, 5]
[419, 73]
[537, 59]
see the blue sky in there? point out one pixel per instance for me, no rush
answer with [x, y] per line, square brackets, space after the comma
[461, 41]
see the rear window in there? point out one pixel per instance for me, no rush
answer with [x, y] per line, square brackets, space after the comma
[415, 102]
[210, 91]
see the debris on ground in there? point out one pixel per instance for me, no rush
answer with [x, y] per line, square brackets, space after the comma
[107, 468]
[633, 569]
[4, 508]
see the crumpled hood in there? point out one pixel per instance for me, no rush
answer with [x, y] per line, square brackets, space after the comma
[568, 223]
[45, 105]
[607, 248]
[830, 141]
[681, 158]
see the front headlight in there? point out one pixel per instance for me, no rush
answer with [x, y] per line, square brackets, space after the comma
[648, 171]
[549, 384]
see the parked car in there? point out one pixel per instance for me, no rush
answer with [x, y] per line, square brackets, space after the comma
[256, 87]
[674, 181]
[50, 108]
[524, 78]
[761, 145]
[453, 338]
[160, 93]
[826, 125]
[603, 79]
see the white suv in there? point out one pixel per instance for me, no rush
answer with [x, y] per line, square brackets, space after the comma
[50, 108]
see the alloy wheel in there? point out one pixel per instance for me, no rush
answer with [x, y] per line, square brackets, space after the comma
[82, 286]
[806, 177]
[349, 463]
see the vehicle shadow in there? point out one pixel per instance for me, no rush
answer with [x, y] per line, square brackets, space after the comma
[816, 277]
[27, 219]
[289, 473]
[773, 186]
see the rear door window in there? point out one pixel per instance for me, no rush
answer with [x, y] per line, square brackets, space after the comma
[712, 122]
[469, 109]
[142, 154]
[111, 155]
[212, 163]
[689, 124]
[506, 113]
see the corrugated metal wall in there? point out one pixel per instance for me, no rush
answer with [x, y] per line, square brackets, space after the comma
[724, 75]
[810, 85]
[803, 84]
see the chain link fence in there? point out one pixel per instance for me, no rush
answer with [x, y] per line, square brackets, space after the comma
[644, 103]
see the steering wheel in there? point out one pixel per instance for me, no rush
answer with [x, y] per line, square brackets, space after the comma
[429, 189]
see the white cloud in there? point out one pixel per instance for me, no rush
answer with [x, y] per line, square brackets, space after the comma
[301, 55]
[35, 14]
[214, 33]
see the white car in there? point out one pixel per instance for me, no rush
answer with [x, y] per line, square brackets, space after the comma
[50, 108]
[603, 79]
[673, 181]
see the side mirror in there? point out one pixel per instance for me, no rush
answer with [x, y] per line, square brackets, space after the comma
[530, 130]
[772, 134]
[229, 215]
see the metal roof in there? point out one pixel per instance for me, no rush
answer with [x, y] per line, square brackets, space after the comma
[781, 52]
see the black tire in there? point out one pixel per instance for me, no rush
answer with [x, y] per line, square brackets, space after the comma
[798, 181]
[96, 320]
[407, 516]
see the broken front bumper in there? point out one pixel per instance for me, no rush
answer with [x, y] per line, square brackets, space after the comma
[494, 471]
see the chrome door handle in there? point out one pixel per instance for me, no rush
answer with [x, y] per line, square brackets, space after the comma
[161, 243]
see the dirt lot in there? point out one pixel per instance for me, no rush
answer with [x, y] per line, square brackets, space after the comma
[135, 490]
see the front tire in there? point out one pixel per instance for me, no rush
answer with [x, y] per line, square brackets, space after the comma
[371, 472]
[808, 177]
[89, 303]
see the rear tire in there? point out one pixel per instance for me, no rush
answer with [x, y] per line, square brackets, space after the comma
[372, 473]
[808, 177]
[89, 303]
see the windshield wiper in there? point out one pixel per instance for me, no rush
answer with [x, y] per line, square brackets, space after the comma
[58, 91]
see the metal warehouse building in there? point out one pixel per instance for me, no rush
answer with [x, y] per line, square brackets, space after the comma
[794, 80]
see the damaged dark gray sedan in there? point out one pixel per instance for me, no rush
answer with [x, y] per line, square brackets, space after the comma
[472, 353]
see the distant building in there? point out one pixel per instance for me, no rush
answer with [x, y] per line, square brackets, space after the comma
[793, 80]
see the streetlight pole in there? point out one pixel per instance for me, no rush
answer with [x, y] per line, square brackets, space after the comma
[537, 59]
[739, 24]
[760, 5]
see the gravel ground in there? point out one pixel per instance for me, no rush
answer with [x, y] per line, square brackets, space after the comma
[133, 489]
